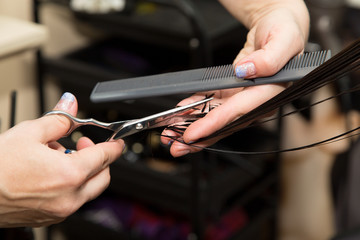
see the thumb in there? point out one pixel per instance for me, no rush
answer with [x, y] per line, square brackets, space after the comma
[67, 103]
[56, 126]
[260, 63]
[265, 58]
[265, 61]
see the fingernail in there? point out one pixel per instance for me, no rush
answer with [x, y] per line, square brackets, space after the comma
[65, 102]
[170, 142]
[245, 70]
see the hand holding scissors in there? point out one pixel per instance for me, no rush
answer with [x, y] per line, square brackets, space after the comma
[125, 128]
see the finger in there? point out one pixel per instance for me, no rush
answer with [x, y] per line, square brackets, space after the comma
[91, 160]
[249, 47]
[219, 96]
[230, 110]
[195, 97]
[168, 136]
[264, 62]
[67, 103]
[270, 52]
[84, 142]
[56, 146]
[94, 186]
[179, 149]
[52, 127]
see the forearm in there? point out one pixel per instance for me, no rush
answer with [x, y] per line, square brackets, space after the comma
[249, 12]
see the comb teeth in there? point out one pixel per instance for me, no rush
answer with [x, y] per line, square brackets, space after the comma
[311, 59]
[213, 73]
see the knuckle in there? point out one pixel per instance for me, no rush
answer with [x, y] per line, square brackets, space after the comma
[64, 208]
[105, 158]
[269, 65]
[63, 121]
[74, 178]
[70, 176]
[108, 178]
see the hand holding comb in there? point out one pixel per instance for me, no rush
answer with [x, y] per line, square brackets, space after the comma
[202, 79]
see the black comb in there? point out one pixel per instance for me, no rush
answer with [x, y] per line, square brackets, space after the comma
[201, 79]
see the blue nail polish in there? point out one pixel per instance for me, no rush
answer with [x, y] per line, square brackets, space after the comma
[68, 97]
[245, 70]
[240, 72]
[65, 102]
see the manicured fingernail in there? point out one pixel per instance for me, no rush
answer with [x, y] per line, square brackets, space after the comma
[65, 102]
[245, 70]
[170, 142]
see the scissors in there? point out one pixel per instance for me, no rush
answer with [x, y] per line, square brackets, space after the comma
[125, 128]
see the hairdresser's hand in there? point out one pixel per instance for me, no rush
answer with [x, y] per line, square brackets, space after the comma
[278, 31]
[39, 183]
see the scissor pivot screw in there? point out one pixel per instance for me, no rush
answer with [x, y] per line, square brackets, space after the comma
[139, 126]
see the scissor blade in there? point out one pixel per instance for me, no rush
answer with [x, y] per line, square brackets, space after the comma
[158, 120]
[170, 116]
